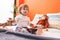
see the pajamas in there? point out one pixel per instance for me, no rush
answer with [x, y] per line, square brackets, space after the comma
[22, 29]
[22, 21]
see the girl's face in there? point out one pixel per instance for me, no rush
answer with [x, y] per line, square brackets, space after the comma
[24, 11]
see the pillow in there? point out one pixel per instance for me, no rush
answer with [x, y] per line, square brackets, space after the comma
[10, 28]
[36, 19]
[54, 20]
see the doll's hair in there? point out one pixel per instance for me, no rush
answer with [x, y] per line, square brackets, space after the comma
[46, 17]
[22, 6]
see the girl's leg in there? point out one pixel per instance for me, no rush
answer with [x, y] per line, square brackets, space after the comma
[39, 31]
[16, 30]
[24, 30]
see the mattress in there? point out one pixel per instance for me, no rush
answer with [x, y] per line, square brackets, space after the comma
[52, 33]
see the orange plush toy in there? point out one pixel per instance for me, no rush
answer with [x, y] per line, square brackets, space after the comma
[44, 21]
[44, 24]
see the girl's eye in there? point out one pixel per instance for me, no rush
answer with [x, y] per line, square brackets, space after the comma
[25, 9]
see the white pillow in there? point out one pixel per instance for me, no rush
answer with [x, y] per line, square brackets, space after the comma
[10, 28]
[36, 19]
[54, 20]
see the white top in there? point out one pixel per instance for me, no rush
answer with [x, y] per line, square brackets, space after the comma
[22, 21]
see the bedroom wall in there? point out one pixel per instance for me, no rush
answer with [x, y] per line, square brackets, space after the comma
[42, 6]
[18, 2]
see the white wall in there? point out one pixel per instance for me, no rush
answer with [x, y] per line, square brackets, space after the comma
[6, 10]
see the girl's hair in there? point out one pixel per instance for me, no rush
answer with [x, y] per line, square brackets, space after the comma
[22, 6]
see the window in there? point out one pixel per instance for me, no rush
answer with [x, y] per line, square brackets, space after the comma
[6, 10]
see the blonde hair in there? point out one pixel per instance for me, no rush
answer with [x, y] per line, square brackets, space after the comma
[22, 6]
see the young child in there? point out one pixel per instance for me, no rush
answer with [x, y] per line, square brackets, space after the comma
[22, 20]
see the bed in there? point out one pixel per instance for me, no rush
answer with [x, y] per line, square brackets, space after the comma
[51, 34]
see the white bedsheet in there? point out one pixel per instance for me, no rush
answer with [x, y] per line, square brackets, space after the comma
[52, 33]
[9, 28]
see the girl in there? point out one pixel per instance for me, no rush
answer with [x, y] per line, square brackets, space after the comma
[22, 20]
